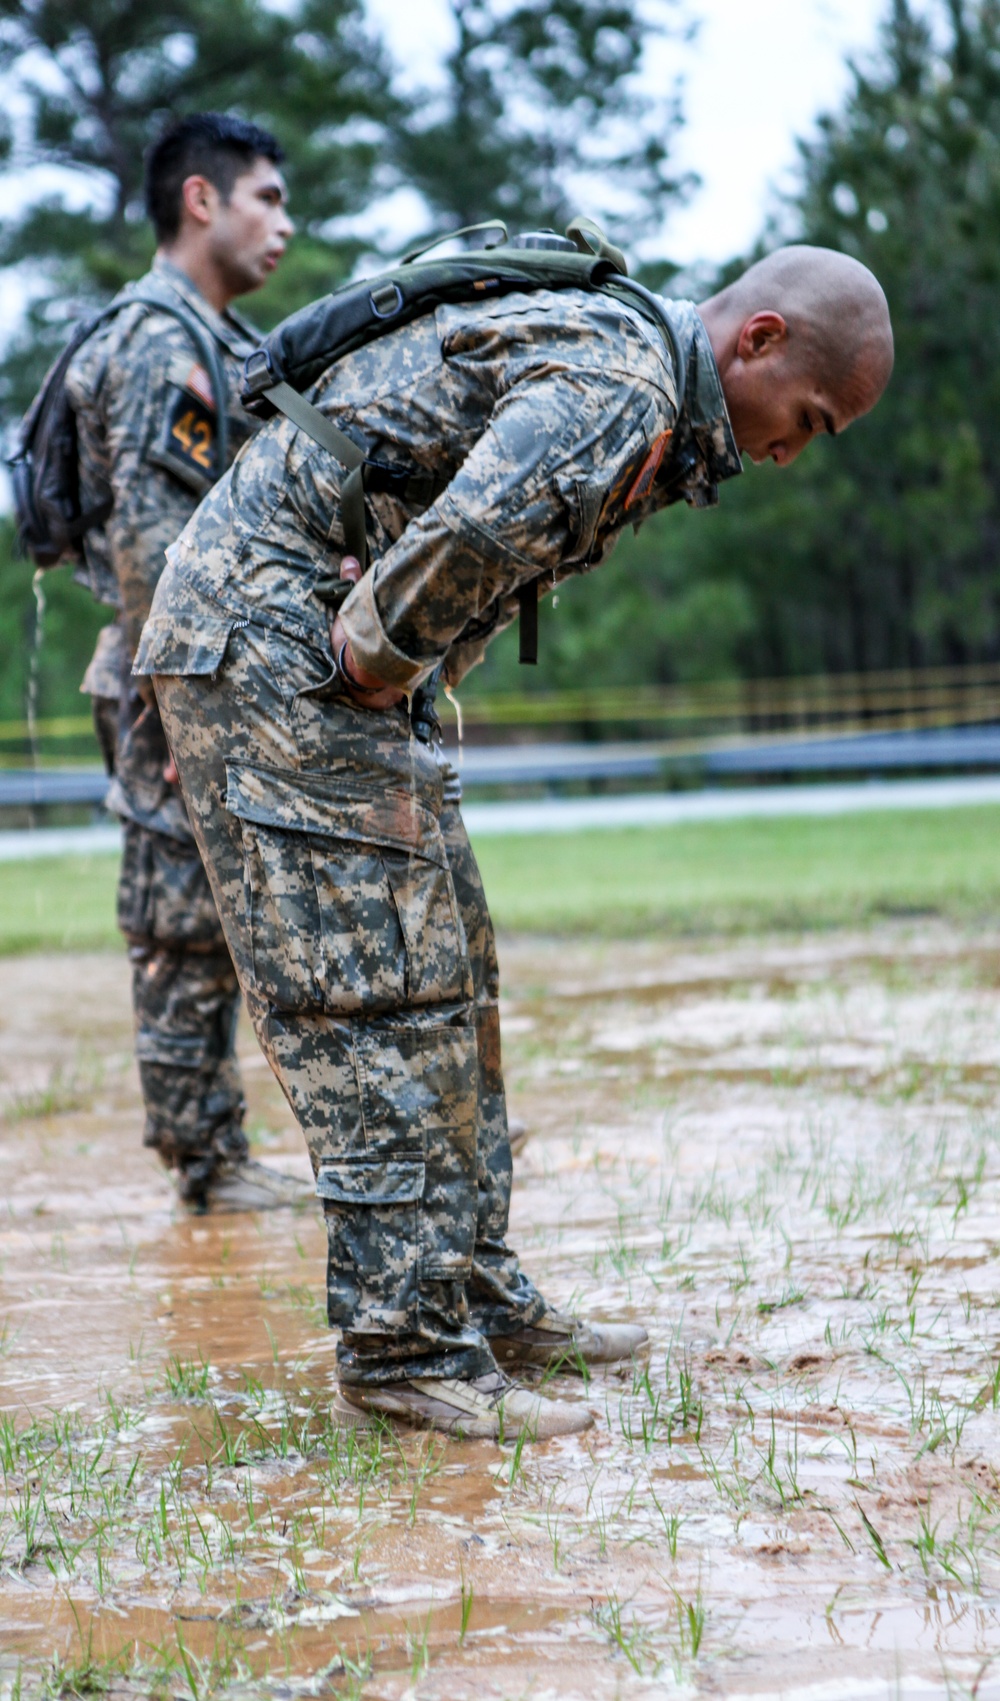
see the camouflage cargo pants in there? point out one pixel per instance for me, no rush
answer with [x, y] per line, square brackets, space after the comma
[185, 995]
[355, 914]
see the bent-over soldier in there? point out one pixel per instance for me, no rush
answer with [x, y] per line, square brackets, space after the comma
[533, 428]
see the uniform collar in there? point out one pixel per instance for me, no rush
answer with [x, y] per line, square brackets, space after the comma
[703, 425]
[229, 328]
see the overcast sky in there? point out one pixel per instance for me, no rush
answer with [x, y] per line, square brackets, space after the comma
[755, 76]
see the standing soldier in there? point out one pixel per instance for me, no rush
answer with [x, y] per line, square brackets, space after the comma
[149, 437]
[504, 444]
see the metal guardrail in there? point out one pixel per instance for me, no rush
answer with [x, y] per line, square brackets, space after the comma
[26, 788]
[952, 747]
[552, 764]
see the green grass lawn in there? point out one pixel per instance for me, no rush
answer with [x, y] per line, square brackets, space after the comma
[731, 876]
[58, 903]
[714, 876]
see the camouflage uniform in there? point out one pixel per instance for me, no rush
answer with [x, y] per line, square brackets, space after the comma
[146, 422]
[534, 428]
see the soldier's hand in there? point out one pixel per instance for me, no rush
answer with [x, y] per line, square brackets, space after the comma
[371, 692]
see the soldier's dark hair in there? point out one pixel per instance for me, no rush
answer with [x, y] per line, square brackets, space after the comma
[215, 145]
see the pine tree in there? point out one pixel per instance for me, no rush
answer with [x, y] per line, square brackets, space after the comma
[907, 178]
[879, 549]
[99, 78]
[542, 117]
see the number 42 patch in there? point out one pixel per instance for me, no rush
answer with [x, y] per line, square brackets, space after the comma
[186, 443]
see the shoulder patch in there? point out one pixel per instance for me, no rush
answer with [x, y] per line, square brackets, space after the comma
[186, 441]
[200, 384]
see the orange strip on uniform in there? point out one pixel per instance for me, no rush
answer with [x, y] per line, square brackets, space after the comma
[648, 471]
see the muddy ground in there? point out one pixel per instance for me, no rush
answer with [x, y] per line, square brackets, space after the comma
[781, 1155]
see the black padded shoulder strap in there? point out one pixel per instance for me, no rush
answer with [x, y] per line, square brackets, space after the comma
[295, 355]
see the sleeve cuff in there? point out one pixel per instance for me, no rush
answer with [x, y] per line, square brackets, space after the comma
[371, 647]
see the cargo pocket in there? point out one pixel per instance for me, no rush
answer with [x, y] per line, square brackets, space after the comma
[282, 912]
[371, 1181]
[372, 1209]
[362, 949]
[339, 920]
[419, 1084]
[182, 906]
[423, 895]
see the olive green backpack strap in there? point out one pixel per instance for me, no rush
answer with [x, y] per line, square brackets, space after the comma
[344, 449]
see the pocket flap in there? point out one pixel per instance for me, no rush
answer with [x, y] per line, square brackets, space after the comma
[172, 644]
[371, 1181]
[334, 807]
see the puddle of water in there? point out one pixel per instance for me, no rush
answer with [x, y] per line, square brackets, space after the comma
[789, 1174]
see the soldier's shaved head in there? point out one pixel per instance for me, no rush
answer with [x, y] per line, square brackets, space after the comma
[803, 342]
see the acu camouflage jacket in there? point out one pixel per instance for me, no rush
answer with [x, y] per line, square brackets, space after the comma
[513, 441]
[145, 425]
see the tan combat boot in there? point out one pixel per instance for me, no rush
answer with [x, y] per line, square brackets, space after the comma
[490, 1407]
[250, 1186]
[569, 1343]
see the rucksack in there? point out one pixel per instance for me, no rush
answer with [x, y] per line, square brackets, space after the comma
[44, 467]
[297, 353]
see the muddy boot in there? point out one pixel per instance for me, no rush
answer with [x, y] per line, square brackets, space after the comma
[568, 1343]
[490, 1407]
[243, 1186]
[519, 1134]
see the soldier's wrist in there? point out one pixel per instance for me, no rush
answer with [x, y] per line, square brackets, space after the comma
[351, 677]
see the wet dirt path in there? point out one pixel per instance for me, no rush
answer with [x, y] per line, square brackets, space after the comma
[782, 1155]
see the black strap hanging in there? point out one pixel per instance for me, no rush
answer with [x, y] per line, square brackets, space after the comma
[527, 598]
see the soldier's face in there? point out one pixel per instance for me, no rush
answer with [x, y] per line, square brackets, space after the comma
[777, 403]
[249, 232]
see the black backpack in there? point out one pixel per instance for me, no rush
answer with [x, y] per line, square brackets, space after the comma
[297, 353]
[44, 468]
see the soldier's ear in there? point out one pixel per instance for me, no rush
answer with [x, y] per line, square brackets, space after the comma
[199, 198]
[761, 334]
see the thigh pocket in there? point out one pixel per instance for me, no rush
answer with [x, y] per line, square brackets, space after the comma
[345, 925]
[282, 916]
[163, 892]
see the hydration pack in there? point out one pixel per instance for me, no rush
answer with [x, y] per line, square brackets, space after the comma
[297, 353]
[44, 468]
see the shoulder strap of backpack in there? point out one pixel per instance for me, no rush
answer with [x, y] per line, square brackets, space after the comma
[330, 437]
[323, 431]
[210, 358]
[164, 303]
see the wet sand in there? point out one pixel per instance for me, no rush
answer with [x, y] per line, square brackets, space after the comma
[781, 1155]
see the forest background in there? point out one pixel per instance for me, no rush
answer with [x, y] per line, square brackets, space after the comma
[875, 551]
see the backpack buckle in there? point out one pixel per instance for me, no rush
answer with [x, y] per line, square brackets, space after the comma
[257, 375]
